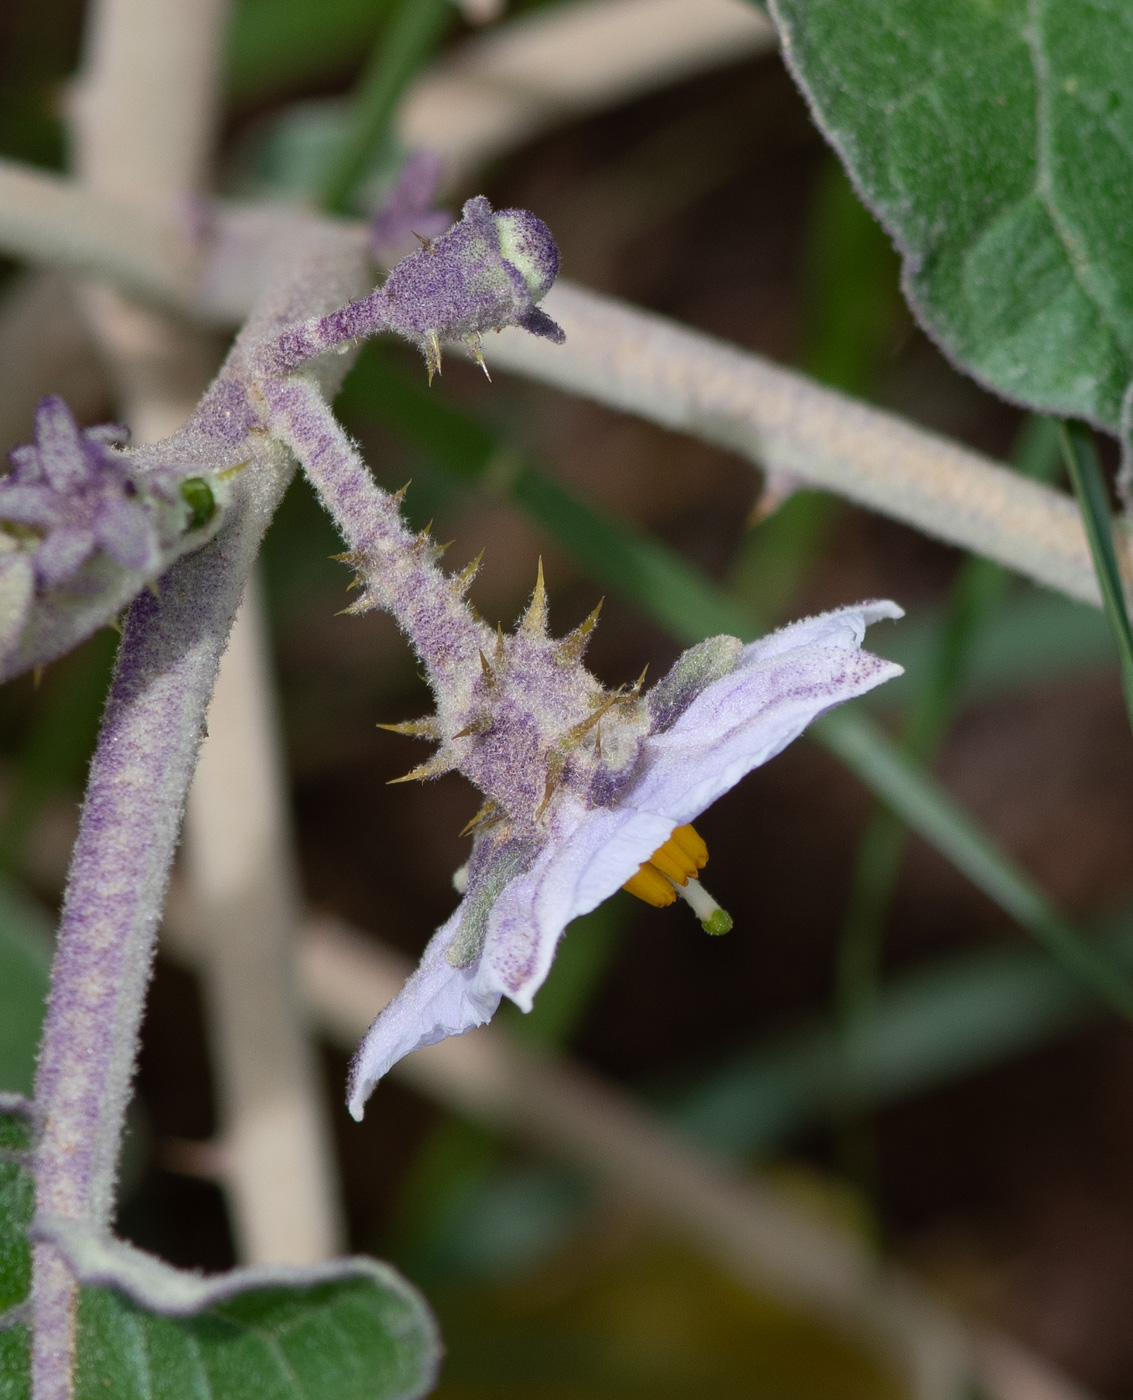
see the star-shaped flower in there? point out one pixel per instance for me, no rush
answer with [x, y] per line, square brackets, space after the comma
[79, 495]
[584, 787]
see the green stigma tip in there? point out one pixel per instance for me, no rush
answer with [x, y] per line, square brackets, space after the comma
[718, 922]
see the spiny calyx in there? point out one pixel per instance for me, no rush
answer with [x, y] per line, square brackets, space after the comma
[527, 720]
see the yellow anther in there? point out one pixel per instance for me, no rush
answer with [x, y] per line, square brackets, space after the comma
[674, 863]
[649, 884]
[670, 860]
[691, 842]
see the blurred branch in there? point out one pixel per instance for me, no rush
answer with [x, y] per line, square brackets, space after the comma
[142, 127]
[45, 348]
[146, 107]
[52, 221]
[682, 379]
[245, 913]
[748, 1228]
[505, 87]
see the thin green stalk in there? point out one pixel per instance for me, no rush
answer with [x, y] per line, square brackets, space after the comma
[410, 37]
[662, 585]
[976, 593]
[925, 807]
[1089, 486]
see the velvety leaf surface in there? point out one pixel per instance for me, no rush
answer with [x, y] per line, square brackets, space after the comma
[994, 139]
[363, 1335]
[16, 1204]
[25, 965]
[348, 1340]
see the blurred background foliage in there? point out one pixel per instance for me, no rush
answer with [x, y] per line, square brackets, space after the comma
[876, 1028]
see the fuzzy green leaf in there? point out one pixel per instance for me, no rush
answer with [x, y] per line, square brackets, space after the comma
[994, 139]
[25, 964]
[350, 1330]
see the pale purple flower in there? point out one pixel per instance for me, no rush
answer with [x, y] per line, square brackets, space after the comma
[577, 829]
[78, 495]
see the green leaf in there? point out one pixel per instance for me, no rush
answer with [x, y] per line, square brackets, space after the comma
[348, 1330]
[346, 1340]
[994, 139]
[25, 965]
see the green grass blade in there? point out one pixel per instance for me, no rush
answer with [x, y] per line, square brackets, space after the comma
[927, 1028]
[1089, 486]
[1036, 637]
[976, 594]
[925, 807]
[276, 44]
[413, 31]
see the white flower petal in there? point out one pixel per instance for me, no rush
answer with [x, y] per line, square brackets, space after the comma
[439, 1000]
[589, 856]
[782, 683]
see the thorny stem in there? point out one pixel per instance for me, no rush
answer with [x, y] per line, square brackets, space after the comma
[298, 344]
[399, 567]
[642, 364]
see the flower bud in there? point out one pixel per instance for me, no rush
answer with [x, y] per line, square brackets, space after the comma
[486, 272]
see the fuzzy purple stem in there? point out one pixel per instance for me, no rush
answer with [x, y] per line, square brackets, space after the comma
[298, 344]
[399, 567]
[131, 816]
[136, 791]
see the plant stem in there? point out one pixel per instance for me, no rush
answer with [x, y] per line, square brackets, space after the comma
[398, 568]
[640, 363]
[131, 817]
[978, 587]
[1089, 486]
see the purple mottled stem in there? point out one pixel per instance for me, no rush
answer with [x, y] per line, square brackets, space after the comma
[401, 575]
[139, 777]
[298, 344]
[136, 792]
